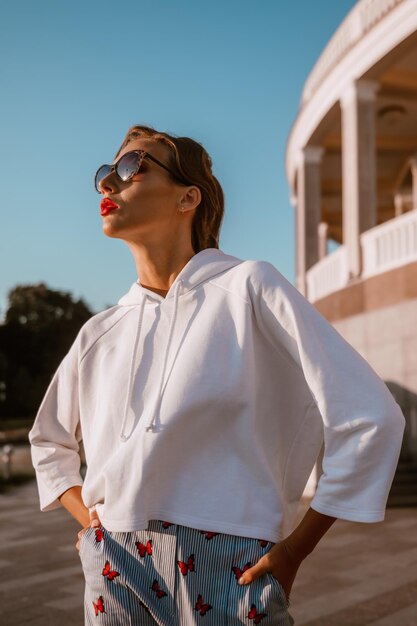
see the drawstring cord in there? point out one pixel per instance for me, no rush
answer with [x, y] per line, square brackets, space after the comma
[123, 436]
[151, 421]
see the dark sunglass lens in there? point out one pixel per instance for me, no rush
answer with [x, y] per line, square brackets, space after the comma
[128, 165]
[101, 173]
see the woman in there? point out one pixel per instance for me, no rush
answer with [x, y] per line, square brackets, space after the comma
[203, 399]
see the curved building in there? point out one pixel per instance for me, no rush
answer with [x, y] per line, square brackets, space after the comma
[351, 165]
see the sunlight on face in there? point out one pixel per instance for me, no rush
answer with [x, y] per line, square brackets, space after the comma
[148, 203]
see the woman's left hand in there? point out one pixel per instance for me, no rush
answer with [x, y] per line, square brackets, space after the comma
[280, 562]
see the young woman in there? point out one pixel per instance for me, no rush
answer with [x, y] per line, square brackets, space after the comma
[202, 399]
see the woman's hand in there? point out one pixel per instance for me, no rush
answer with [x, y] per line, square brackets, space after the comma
[280, 562]
[285, 557]
[94, 523]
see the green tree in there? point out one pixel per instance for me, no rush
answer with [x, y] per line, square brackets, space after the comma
[40, 326]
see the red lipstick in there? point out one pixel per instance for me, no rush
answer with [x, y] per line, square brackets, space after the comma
[107, 205]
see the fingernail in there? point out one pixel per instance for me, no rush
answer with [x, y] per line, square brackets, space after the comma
[95, 523]
[241, 581]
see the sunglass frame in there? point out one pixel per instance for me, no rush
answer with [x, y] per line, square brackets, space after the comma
[142, 154]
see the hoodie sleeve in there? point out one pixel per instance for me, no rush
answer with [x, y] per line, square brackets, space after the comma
[56, 434]
[363, 424]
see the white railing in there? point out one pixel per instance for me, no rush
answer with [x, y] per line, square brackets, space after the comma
[328, 275]
[384, 247]
[390, 245]
[363, 16]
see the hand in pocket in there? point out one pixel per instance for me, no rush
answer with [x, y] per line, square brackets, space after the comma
[280, 563]
[94, 523]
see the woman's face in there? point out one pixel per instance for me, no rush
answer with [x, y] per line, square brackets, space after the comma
[148, 202]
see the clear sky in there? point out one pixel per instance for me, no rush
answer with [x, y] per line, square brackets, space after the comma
[76, 74]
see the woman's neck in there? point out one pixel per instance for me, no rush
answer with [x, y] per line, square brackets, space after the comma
[158, 271]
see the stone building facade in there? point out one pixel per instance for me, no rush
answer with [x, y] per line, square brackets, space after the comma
[352, 169]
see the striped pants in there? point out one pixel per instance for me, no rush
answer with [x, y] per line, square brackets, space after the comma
[172, 575]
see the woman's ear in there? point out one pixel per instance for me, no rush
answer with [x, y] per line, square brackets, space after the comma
[190, 199]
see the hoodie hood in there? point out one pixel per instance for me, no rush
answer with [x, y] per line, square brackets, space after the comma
[204, 265]
[201, 267]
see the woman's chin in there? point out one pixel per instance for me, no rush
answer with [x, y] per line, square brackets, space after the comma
[110, 229]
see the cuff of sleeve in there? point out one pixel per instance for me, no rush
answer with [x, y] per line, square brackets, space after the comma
[350, 515]
[49, 498]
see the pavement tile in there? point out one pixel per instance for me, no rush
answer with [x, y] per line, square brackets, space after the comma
[369, 612]
[404, 617]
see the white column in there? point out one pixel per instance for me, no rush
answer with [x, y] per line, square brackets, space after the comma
[358, 167]
[399, 204]
[414, 175]
[307, 212]
[323, 232]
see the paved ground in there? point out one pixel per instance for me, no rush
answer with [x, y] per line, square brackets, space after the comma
[359, 575]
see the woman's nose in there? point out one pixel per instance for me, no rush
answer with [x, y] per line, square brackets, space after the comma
[108, 183]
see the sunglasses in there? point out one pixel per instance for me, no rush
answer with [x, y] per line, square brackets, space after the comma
[127, 166]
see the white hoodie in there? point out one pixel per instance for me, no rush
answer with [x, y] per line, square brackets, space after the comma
[208, 407]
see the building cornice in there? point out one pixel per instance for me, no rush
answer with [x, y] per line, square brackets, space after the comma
[384, 35]
[365, 15]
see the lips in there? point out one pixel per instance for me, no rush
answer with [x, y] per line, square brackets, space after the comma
[107, 205]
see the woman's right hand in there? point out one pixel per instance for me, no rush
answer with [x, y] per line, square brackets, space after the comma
[80, 534]
[94, 523]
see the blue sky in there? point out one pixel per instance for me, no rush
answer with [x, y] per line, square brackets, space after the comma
[75, 75]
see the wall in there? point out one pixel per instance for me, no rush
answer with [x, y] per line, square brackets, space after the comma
[378, 317]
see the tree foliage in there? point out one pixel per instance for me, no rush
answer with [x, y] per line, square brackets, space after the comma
[40, 326]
